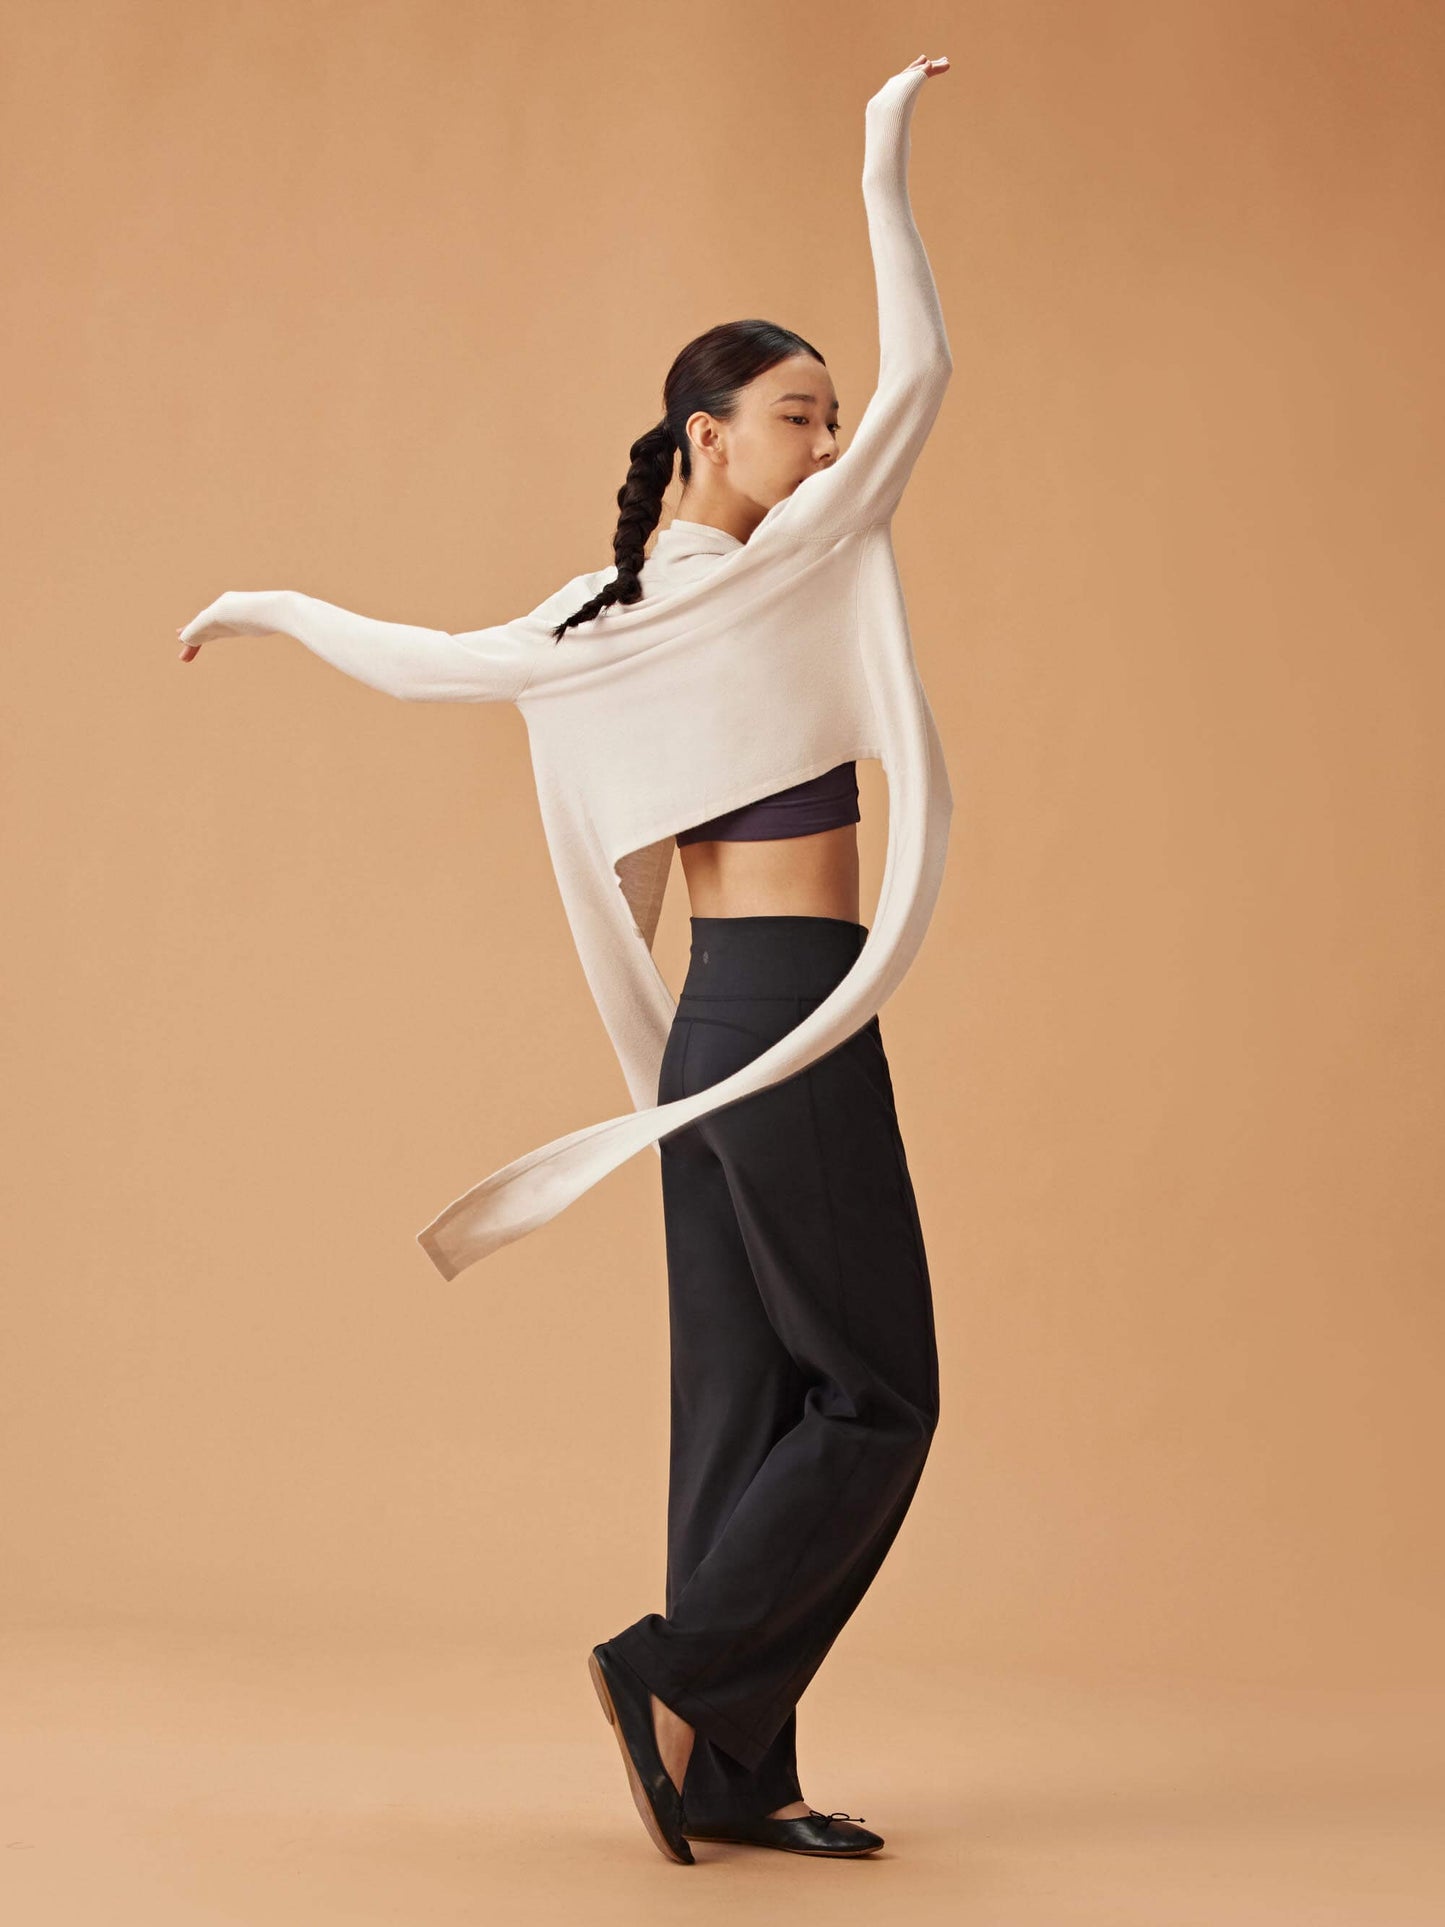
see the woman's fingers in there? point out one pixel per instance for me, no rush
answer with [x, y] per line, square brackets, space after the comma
[238, 612]
[226, 616]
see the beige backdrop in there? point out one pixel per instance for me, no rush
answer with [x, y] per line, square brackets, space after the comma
[370, 302]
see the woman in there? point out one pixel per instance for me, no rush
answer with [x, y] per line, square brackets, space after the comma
[804, 1390]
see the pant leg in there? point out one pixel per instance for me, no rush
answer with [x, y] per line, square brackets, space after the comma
[818, 1182]
[735, 1391]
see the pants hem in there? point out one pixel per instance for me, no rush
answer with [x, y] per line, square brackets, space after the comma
[702, 1717]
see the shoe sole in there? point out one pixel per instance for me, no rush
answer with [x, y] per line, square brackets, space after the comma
[774, 1846]
[639, 1791]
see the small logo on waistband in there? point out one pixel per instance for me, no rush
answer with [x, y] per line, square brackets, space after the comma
[704, 956]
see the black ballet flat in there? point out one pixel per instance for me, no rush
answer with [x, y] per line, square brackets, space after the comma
[810, 1832]
[627, 1702]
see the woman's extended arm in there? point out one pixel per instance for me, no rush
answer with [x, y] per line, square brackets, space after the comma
[398, 658]
[914, 362]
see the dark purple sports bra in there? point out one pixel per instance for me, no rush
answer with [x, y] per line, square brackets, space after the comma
[824, 802]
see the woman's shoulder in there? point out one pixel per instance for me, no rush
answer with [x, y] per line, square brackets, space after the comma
[573, 593]
[659, 575]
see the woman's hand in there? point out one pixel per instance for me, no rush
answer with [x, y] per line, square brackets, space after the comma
[237, 612]
[898, 92]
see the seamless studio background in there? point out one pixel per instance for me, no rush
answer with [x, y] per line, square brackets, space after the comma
[304, 1550]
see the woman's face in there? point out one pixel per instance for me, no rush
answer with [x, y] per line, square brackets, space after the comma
[784, 429]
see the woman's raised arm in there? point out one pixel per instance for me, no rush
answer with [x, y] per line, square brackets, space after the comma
[914, 362]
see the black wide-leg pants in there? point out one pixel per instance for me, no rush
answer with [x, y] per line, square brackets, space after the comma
[804, 1358]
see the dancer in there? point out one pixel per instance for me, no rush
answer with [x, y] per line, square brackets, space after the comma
[713, 699]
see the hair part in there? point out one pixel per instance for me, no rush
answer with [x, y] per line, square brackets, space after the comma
[708, 375]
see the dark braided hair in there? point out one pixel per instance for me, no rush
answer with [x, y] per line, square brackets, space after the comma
[708, 375]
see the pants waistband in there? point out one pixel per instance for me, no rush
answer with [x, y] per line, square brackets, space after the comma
[781, 956]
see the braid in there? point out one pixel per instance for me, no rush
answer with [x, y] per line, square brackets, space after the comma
[640, 501]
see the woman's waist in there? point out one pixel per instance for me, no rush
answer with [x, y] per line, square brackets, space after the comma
[813, 876]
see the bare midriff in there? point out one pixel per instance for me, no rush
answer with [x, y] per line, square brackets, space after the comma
[788, 876]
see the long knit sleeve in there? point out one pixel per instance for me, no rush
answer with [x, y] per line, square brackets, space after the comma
[400, 659]
[415, 664]
[914, 360]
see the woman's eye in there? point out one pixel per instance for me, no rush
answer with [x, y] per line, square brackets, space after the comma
[832, 426]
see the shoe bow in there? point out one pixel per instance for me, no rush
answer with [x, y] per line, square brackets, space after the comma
[826, 1817]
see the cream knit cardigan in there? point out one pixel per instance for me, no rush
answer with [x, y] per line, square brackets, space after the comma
[745, 667]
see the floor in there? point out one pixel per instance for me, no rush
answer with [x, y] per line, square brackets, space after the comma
[205, 1778]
